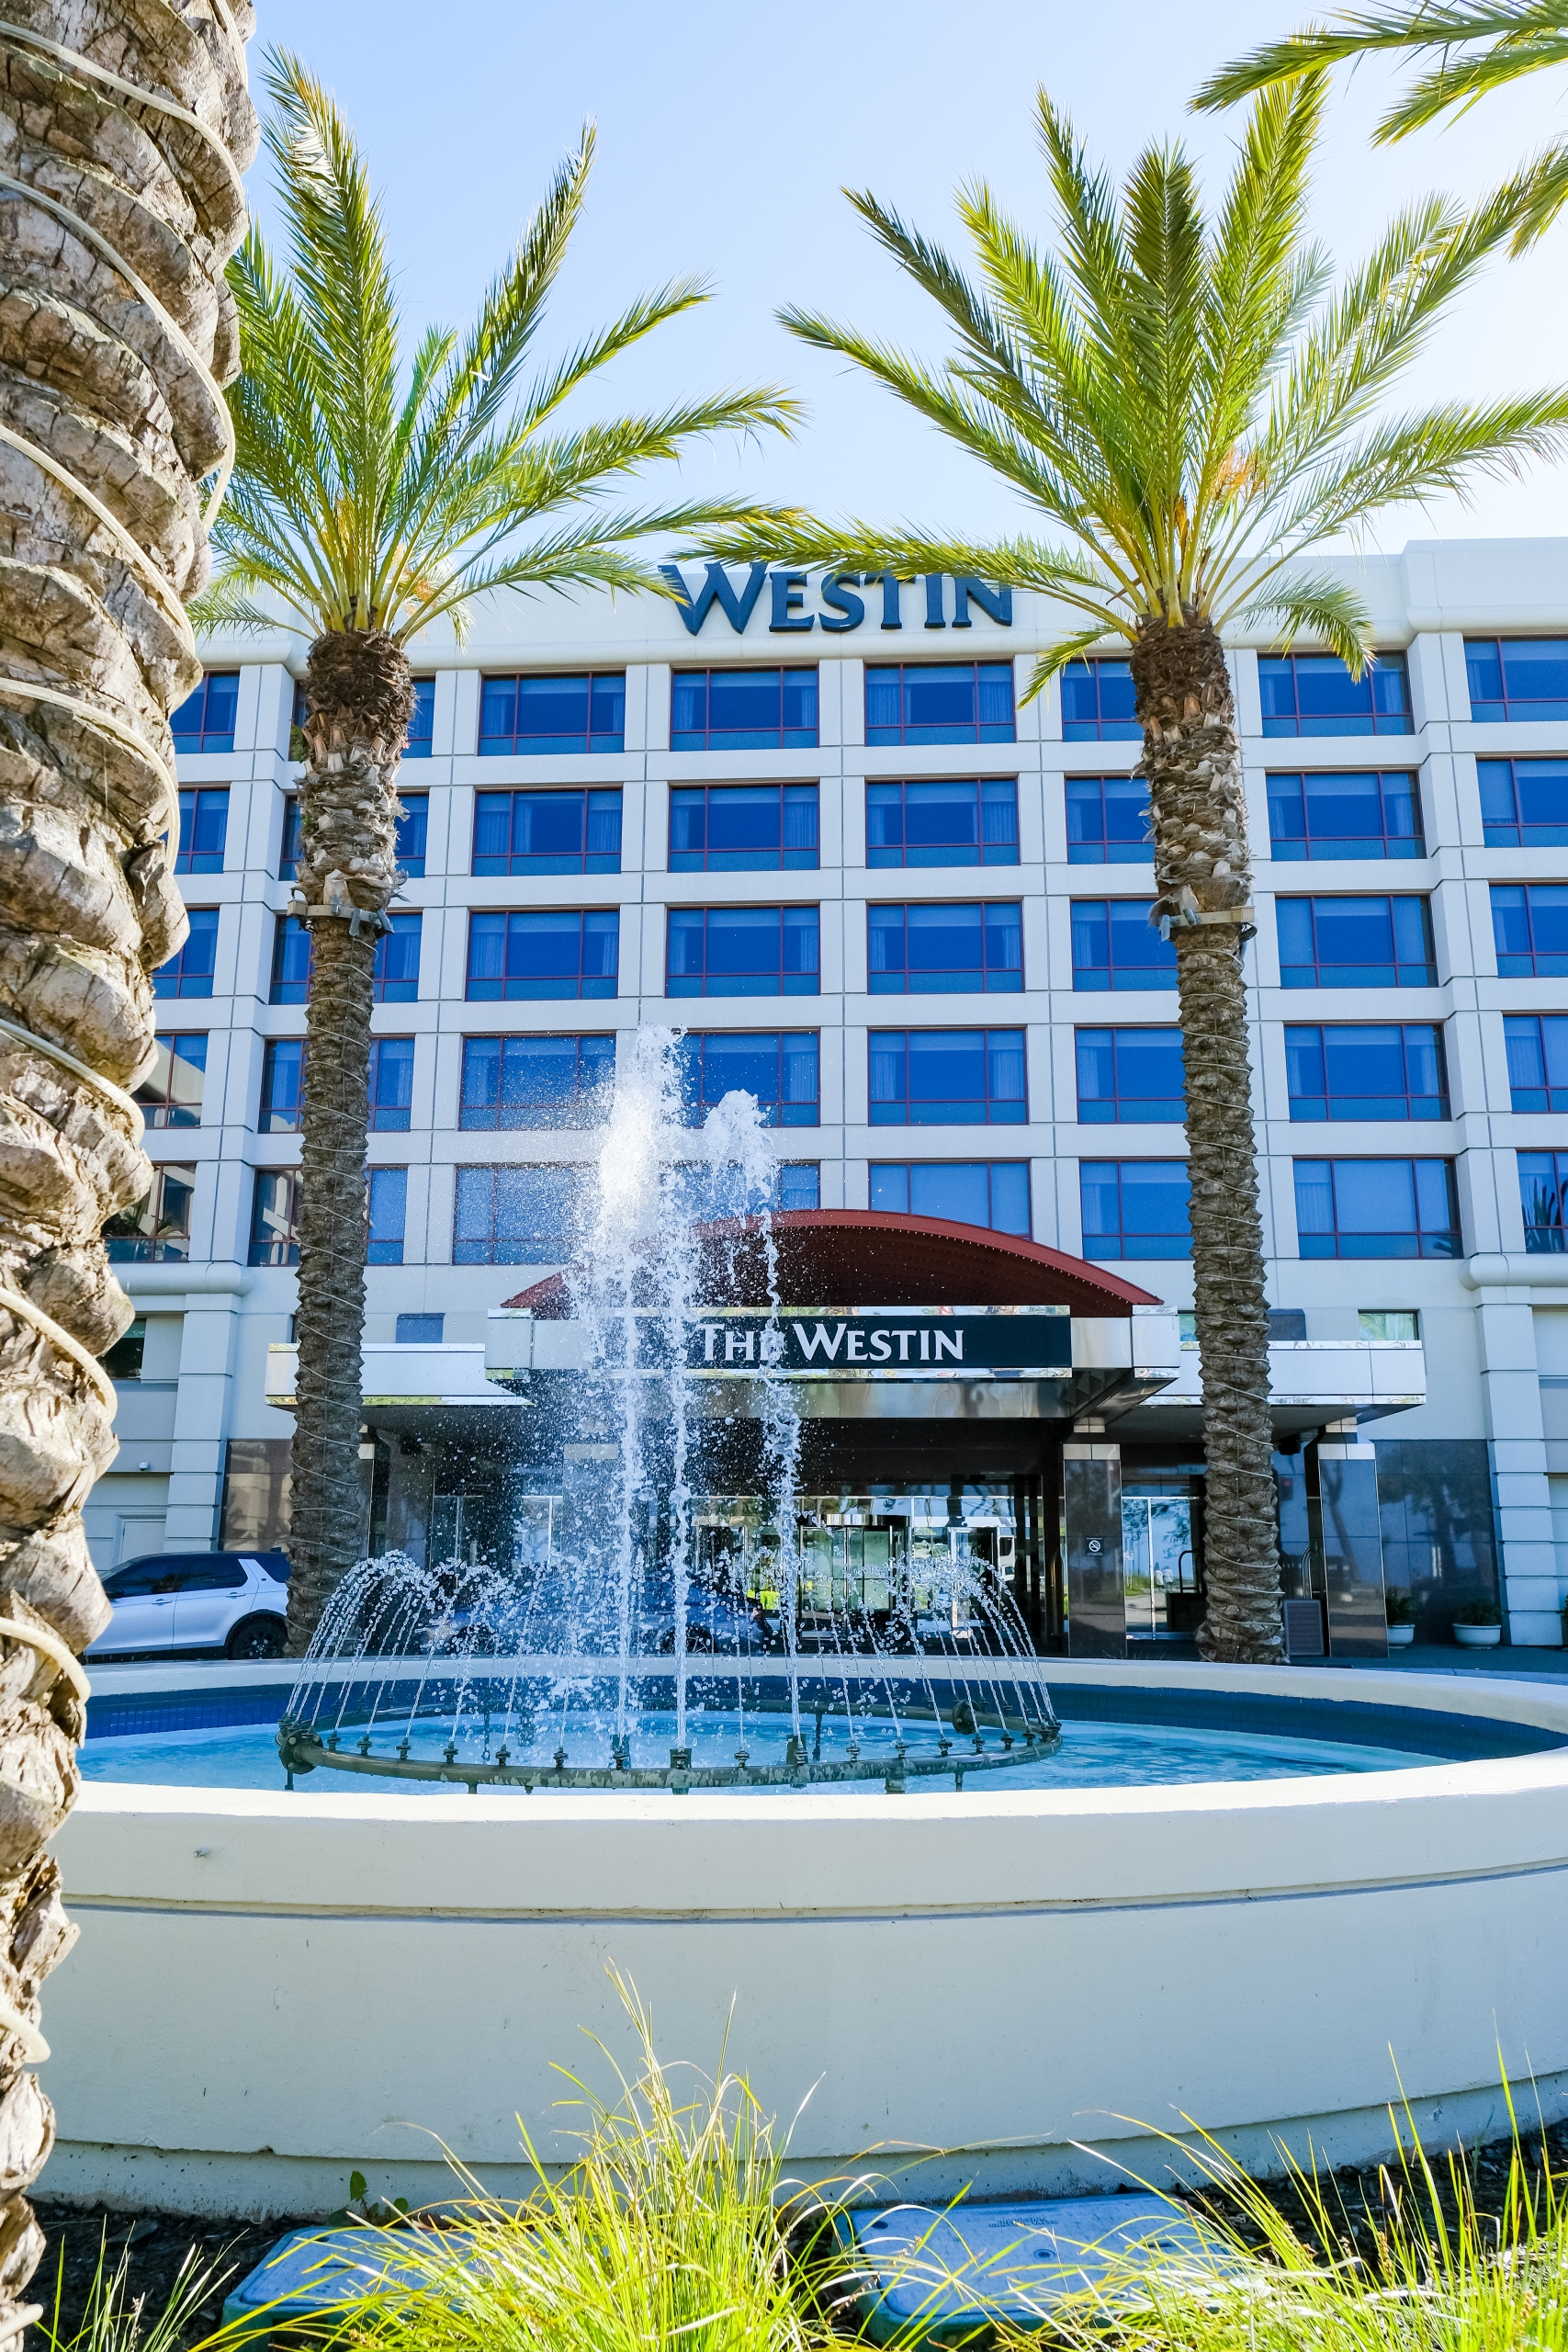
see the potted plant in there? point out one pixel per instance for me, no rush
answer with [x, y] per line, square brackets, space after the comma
[1478, 1625]
[1401, 1608]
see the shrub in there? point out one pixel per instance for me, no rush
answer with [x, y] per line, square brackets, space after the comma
[669, 2230]
[1443, 2277]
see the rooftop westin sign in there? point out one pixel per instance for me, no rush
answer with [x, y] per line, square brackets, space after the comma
[868, 1343]
[845, 608]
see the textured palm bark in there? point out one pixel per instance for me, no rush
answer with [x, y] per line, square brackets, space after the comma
[116, 330]
[359, 699]
[1192, 763]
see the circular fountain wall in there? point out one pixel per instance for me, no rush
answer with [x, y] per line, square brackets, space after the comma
[273, 1989]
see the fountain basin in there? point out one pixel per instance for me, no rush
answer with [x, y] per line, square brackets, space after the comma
[273, 1989]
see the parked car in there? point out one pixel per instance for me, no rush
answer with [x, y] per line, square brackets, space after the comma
[234, 1602]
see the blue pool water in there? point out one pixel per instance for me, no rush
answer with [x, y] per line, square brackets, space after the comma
[1092, 1754]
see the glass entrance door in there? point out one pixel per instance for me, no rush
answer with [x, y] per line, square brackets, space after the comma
[1158, 1561]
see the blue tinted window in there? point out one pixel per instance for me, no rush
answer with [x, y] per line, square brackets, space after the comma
[778, 1066]
[1098, 703]
[1524, 803]
[582, 713]
[516, 1082]
[1530, 926]
[1517, 677]
[205, 720]
[968, 702]
[1355, 942]
[939, 1078]
[1543, 1196]
[992, 1192]
[386, 1206]
[157, 1226]
[742, 828]
[293, 845]
[421, 1330]
[1313, 694]
[548, 833]
[1377, 1208]
[391, 1084]
[204, 826]
[1116, 947]
[422, 726]
[171, 1093]
[1130, 1075]
[300, 705]
[1370, 813]
[282, 1110]
[946, 824]
[1537, 1060]
[743, 710]
[543, 954]
[799, 1185]
[514, 1216]
[1373, 1071]
[274, 1218]
[939, 950]
[291, 961]
[192, 970]
[742, 951]
[396, 977]
[1108, 820]
[411, 828]
[1135, 1208]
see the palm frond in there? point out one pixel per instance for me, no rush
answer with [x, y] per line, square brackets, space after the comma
[1315, 606]
[226, 608]
[365, 494]
[1535, 30]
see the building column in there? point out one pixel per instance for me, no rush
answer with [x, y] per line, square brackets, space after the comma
[1351, 1536]
[208, 1297]
[1516, 1441]
[1091, 1512]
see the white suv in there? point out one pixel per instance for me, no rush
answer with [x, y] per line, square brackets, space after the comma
[232, 1601]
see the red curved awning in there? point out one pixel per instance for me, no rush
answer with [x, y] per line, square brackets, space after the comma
[876, 1258]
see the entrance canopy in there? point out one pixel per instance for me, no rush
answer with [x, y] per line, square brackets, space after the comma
[876, 1258]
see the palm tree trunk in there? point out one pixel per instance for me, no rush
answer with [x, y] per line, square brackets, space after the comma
[359, 698]
[1192, 763]
[115, 333]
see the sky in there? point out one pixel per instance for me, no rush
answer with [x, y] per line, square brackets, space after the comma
[725, 134]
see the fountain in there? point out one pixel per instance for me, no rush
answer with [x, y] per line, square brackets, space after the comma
[669, 1632]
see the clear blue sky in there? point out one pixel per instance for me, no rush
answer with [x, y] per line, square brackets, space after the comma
[726, 133]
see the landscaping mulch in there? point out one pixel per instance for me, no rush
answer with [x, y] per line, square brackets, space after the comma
[1363, 2202]
[156, 2244]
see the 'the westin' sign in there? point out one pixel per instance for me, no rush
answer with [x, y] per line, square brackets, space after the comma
[843, 607]
[887, 1343]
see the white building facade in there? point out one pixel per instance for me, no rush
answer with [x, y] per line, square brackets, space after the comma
[817, 826]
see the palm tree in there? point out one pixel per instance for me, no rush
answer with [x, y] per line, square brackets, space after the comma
[118, 334]
[368, 505]
[1187, 404]
[1475, 50]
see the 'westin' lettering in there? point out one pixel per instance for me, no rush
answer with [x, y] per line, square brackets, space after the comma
[844, 609]
[824, 1341]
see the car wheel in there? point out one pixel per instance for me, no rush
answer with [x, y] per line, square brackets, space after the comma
[255, 1637]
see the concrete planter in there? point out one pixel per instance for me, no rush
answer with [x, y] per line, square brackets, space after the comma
[1478, 1637]
[1401, 1636]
